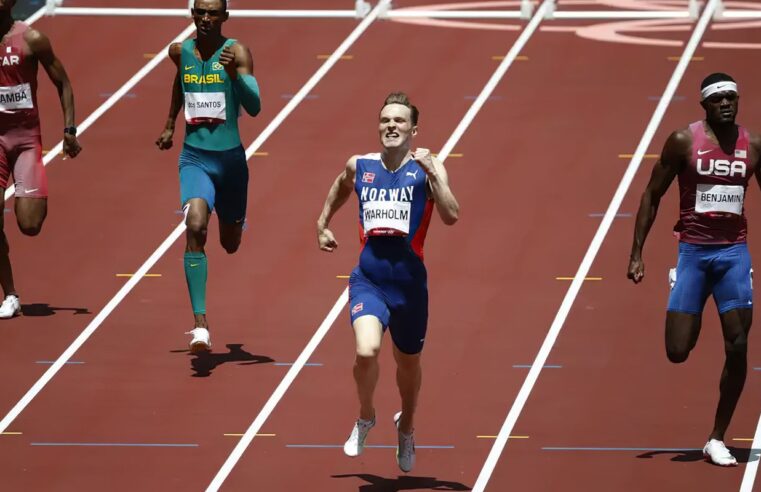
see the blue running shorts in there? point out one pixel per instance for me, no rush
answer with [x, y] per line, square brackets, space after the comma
[723, 270]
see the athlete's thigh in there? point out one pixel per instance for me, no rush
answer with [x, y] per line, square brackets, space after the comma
[29, 171]
[682, 331]
[733, 279]
[409, 320]
[368, 311]
[690, 284]
[30, 212]
[735, 326]
[232, 187]
[195, 181]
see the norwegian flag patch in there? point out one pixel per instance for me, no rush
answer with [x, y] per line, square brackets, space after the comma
[741, 154]
[357, 308]
[368, 177]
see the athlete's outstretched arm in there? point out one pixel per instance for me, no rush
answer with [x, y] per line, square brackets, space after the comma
[674, 156]
[438, 184]
[40, 46]
[165, 139]
[239, 65]
[339, 192]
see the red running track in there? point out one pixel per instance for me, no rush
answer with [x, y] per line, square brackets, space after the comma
[540, 157]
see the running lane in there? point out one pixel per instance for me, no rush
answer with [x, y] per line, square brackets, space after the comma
[522, 173]
[616, 390]
[265, 301]
[59, 275]
[117, 202]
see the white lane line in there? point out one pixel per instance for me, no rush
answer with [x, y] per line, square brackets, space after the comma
[751, 468]
[594, 247]
[35, 16]
[323, 329]
[151, 261]
[115, 97]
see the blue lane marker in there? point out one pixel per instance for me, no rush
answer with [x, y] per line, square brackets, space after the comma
[624, 215]
[528, 366]
[53, 362]
[676, 450]
[309, 364]
[376, 446]
[130, 95]
[291, 96]
[118, 444]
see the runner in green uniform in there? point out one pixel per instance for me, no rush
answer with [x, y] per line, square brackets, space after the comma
[214, 78]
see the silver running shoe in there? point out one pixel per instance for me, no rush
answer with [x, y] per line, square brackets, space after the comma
[405, 450]
[355, 444]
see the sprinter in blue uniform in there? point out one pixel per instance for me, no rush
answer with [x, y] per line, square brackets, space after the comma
[397, 190]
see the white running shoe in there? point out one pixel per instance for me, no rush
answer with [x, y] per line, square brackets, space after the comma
[355, 444]
[718, 454]
[201, 341]
[405, 450]
[10, 307]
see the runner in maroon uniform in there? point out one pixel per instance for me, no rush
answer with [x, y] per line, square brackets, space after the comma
[21, 48]
[714, 160]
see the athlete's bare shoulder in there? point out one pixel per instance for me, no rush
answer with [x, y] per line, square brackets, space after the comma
[36, 41]
[679, 143]
[175, 52]
[755, 140]
[351, 164]
[755, 148]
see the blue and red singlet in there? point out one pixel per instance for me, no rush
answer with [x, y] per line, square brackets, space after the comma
[390, 281]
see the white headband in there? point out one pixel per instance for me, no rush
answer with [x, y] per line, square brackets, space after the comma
[724, 86]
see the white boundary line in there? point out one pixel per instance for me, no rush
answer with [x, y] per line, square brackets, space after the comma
[35, 16]
[234, 13]
[115, 97]
[751, 468]
[397, 13]
[594, 247]
[176, 233]
[325, 326]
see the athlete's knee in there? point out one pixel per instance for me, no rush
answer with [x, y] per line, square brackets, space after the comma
[30, 228]
[367, 353]
[677, 354]
[737, 346]
[407, 362]
[231, 245]
[197, 225]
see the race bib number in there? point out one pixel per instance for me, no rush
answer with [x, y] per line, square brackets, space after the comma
[719, 199]
[205, 107]
[16, 97]
[386, 218]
